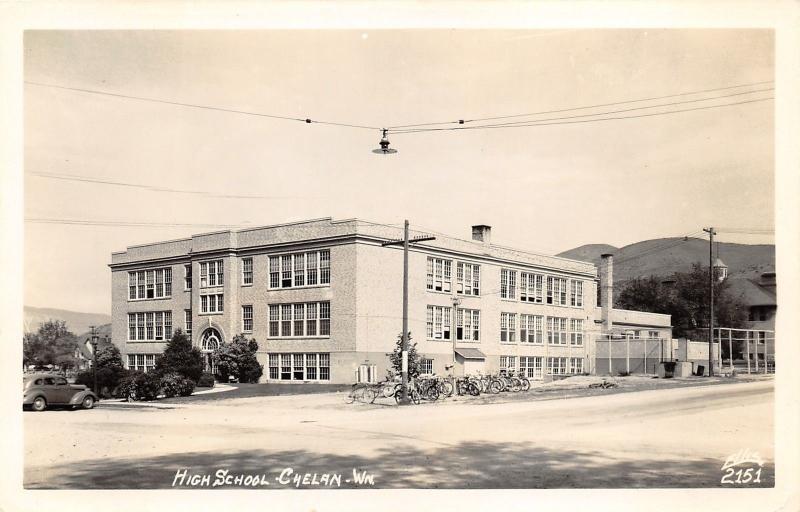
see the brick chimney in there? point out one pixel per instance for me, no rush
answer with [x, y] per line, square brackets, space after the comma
[607, 290]
[482, 233]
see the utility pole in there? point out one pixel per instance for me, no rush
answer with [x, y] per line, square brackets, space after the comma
[711, 276]
[405, 242]
[94, 357]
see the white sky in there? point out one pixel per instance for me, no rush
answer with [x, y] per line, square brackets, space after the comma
[541, 188]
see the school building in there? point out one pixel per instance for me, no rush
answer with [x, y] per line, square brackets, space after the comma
[323, 299]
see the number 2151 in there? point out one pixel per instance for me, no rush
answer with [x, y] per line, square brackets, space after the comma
[743, 476]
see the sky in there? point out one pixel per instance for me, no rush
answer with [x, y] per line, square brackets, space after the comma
[541, 188]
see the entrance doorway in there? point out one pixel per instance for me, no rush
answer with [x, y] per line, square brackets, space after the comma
[209, 342]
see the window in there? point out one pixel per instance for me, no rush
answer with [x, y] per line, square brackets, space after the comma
[556, 331]
[557, 291]
[508, 327]
[300, 269]
[426, 366]
[762, 337]
[531, 330]
[531, 366]
[530, 287]
[274, 322]
[575, 365]
[653, 335]
[438, 322]
[274, 271]
[762, 314]
[575, 331]
[311, 367]
[467, 278]
[142, 362]
[213, 303]
[439, 275]
[187, 277]
[468, 324]
[300, 320]
[187, 321]
[150, 326]
[299, 366]
[508, 364]
[273, 366]
[247, 271]
[150, 284]
[211, 274]
[557, 365]
[576, 293]
[247, 318]
[508, 284]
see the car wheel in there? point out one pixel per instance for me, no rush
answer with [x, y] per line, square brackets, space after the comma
[88, 402]
[39, 404]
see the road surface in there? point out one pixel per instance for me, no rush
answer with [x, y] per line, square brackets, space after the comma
[663, 438]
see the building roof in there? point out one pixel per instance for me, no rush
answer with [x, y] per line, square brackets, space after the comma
[470, 353]
[328, 229]
[719, 263]
[752, 292]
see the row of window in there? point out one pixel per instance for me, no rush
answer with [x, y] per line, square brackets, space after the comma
[142, 362]
[150, 284]
[560, 330]
[300, 367]
[150, 326]
[531, 366]
[439, 323]
[300, 320]
[300, 269]
[541, 289]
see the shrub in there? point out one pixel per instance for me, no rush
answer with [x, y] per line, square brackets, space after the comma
[238, 359]
[109, 371]
[170, 384]
[139, 386]
[186, 386]
[206, 381]
[127, 385]
[181, 357]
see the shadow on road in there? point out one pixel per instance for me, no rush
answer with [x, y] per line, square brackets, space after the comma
[476, 465]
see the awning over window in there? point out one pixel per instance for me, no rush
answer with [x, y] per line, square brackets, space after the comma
[470, 353]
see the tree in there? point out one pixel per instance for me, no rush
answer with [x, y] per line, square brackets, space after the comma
[52, 344]
[110, 370]
[686, 300]
[238, 358]
[180, 357]
[396, 357]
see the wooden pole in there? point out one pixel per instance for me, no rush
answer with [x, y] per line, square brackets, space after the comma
[405, 315]
[747, 348]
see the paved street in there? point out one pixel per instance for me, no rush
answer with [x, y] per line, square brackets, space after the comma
[664, 438]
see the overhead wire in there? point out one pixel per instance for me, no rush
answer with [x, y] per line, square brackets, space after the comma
[543, 112]
[556, 121]
[152, 188]
[194, 105]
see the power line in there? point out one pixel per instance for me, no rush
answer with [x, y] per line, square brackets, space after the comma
[542, 122]
[151, 188]
[584, 107]
[193, 105]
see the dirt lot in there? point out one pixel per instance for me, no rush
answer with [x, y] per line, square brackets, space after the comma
[675, 437]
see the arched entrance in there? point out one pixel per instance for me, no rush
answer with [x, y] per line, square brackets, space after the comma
[210, 341]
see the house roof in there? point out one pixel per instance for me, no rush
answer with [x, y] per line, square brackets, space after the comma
[752, 292]
[470, 353]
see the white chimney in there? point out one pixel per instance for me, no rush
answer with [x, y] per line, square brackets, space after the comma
[607, 290]
[482, 233]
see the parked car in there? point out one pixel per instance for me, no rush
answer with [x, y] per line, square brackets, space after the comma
[41, 390]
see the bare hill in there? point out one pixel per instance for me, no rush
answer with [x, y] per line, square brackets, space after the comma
[76, 322]
[664, 256]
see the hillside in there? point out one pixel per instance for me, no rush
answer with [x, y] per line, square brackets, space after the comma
[588, 252]
[664, 256]
[76, 322]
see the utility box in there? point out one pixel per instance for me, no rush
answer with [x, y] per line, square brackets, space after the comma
[684, 369]
[666, 369]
